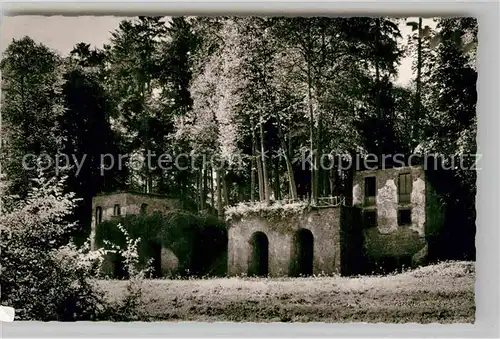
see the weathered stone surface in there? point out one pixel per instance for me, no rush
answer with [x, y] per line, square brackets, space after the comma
[389, 239]
[154, 203]
[420, 258]
[402, 242]
[323, 223]
[169, 262]
[418, 200]
[357, 195]
[387, 207]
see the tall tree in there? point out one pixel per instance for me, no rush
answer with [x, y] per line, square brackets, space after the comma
[32, 76]
[451, 130]
[133, 65]
[378, 47]
[175, 76]
[87, 115]
[215, 95]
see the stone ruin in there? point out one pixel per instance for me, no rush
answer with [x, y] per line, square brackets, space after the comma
[117, 204]
[394, 214]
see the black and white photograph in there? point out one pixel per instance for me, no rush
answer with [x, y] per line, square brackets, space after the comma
[256, 169]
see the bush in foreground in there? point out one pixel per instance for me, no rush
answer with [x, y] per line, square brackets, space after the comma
[45, 277]
[41, 276]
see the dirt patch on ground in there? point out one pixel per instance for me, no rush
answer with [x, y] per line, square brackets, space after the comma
[441, 293]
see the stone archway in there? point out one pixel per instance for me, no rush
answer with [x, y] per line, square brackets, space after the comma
[155, 256]
[120, 271]
[302, 253]
[259, 255]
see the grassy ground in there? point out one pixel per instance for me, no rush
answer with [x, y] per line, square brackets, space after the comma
[441, 293]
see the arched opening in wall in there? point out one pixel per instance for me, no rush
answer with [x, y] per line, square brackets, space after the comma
[302, 253]
[117, 210]
[209, 254]
[119, 270]
[155, 255]
[144, 209]
[259, 257]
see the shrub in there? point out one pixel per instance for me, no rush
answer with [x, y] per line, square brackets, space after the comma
[272, 209]
[45, 277]
[129, 308]
[42, 277]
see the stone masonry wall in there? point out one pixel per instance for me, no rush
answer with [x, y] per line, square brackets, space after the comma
[107, 203]
[130, 204]
[155, 204]
[323, 223]
[389, 239]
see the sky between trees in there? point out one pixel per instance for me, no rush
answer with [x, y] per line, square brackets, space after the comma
[62, 33]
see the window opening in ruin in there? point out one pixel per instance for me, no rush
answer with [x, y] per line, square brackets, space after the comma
[370, 218]
[404, 217]
[98, 214]
[370, 190]
[144, 209]
[404, 188]
[116, 209]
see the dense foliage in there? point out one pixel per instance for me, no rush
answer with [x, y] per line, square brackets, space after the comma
[46, 277]
[42, 277]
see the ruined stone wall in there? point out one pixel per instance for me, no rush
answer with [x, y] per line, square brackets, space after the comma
[154, 204]
[323, 223]
[388, 238]
[130, 204]
[107, 203]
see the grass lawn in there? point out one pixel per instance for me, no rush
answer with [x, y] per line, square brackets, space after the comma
[441, 293]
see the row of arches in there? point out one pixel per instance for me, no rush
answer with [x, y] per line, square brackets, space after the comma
[302, 256]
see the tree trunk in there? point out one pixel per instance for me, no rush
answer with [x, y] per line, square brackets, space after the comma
[267, 192]
[317, 169]
[252, 179]
[377, 93]
[331, 179]
[258, 164]
[415, 126]
[277, 186]
[199, 188]
[289, 167]
[311, 135]
[252, 171]
[220, 208]
[291, 178]
[212, 193]
[325, 184]
[225, 190]
[318, 184]
[347, 192]
[261, 178]
[204, 187]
